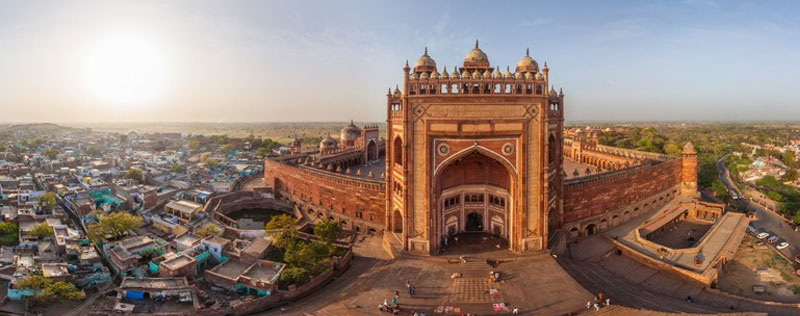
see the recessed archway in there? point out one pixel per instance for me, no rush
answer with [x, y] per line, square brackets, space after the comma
[397, 222]
[474, 222]
[477, 188]
[372, 151]
[591, 229]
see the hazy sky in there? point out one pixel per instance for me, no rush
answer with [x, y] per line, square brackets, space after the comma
[334, 60]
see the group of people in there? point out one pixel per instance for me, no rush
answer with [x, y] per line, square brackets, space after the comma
[494, 276]
[393, 307]
[599, 302]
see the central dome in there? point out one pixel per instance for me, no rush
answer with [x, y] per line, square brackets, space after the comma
[476, 55]
[527, 64]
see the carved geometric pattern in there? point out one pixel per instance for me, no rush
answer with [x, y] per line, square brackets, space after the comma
[531, 110]
[419, 111]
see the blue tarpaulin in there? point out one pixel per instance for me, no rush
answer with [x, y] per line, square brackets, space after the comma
[138, 295]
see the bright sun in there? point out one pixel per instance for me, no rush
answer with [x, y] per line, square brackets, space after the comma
[126, 70]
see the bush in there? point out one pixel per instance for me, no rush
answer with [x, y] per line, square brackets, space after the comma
[9, 234]
[295, 275]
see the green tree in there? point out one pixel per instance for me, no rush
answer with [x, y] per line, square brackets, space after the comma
[193, 145]
[790, 175]
[225, 148]
[42, 230]
[92, 151]
[176, 168]
[328, 231]
[263, 152]
[113, 226]
[283, 230]
[60, 291]
[796, 218]
[34, 283]
[208, 230]
[312, 256]
[51, 153]
[9, 234]
[719, 189]
[205, 157]
[789, 158]
[135, 174]
[211, 163]
[48, 201]
[672, 149]
[295, 275]
[46, 290]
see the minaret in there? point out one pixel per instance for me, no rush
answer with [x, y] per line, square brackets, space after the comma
[689, 170]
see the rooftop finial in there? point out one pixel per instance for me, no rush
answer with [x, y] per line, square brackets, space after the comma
[426, 51]
[528, 52]
[476, 44]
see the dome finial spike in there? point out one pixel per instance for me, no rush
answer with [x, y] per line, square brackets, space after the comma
[426, 51]
[528, 52]
[476, 44]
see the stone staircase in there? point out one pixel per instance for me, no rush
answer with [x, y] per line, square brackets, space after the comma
[656, 292]
[617, 310]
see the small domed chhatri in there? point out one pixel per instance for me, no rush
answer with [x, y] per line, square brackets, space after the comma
[425, 63]
[527, 64]
[327, 143]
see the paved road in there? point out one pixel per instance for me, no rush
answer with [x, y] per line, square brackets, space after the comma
[767, 221]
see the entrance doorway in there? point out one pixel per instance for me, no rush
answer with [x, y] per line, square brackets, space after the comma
[474, 222]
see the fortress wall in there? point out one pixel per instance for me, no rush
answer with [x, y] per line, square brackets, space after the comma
[360, 203]
[598, 202]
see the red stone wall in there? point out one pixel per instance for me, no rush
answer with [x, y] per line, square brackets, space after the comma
[348, 198]
[594, 195]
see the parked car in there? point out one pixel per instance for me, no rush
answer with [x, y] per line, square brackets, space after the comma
[773, 239]
[751, 229]
[762, 235]
[782, 245]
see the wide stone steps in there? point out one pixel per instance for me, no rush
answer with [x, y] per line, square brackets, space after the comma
[596, 280]
[624, 291]
[616, 310]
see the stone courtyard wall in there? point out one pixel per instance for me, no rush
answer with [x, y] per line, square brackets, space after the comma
[358, 204]
[598, 202]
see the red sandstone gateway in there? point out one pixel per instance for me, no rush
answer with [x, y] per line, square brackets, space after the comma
[475, 149]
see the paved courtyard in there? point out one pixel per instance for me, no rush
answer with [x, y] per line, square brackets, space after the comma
[535, 285]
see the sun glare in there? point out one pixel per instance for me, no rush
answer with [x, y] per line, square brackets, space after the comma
[126, 70]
